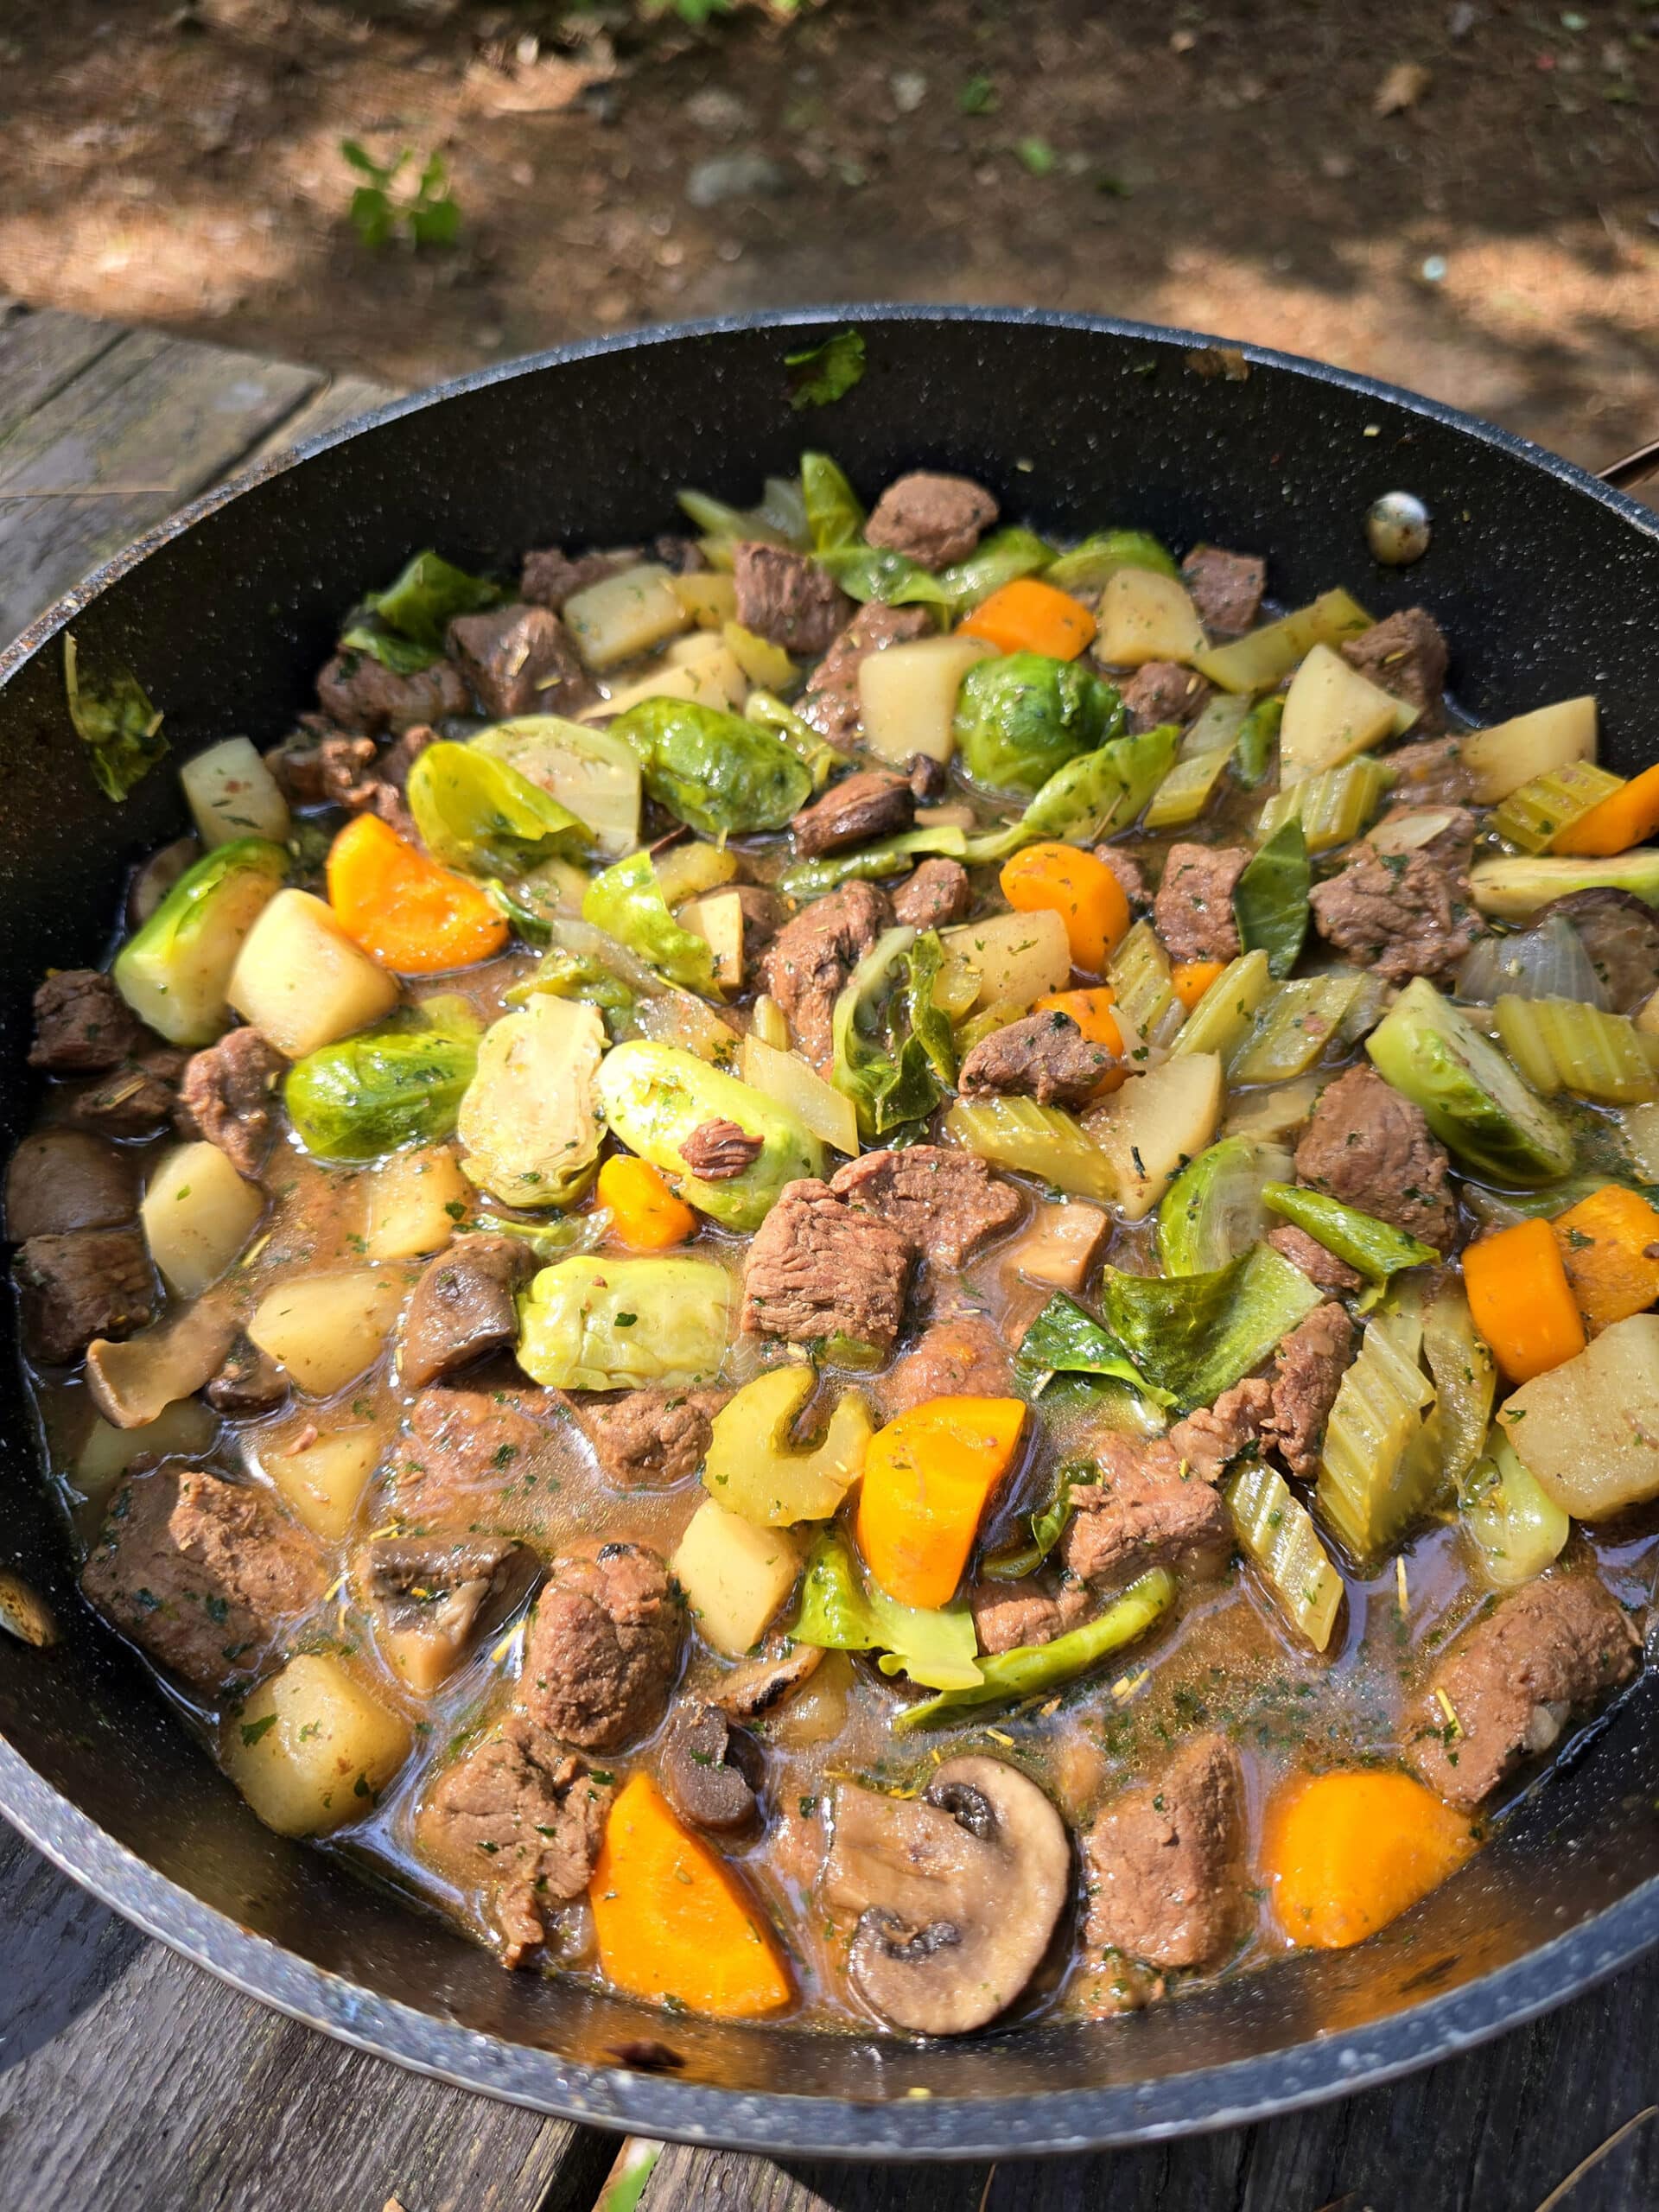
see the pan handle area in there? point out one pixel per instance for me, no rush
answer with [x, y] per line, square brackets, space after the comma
[1633, 467]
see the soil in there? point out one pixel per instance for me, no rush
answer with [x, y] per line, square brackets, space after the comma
[1494, 240]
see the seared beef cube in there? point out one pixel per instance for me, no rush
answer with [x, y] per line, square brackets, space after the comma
[875, 803]
[1323, 1269]
[1403, 914]
[206, 1575]
[1226, 589]
[430, 1598]
[787, 599]
[463, 1307]
[135, 1099]
[808, 963]
[936, 519]
[946, 1204]
[1128, 872]
[226, 1094]
[1143, 1512]
[522, 1818]
[61, 1180]
[358, 694]
[296, 763]
[1210, 1439]
[550, 575]
[1165, 1863]
[718, 1151]
[95, 1282]
[1620, 932]
[1042, 1056]
[360, 776]
[1507, 1687]
[1008, 1616]
[712, 1773]
[831, 701]
[82, 1024]
[466, 1446]
[1193, 910]
[1371, 1149]
[604, 1648]
[963, 1357]
[1308, 1370]
[1163, 691]
[250, 1382]
[938, 894]
[816, 1269]
[520, 660]
[647, 1439]
[1430, 773]
[1404, 655]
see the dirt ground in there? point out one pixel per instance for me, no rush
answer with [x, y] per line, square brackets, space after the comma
[1493, 239]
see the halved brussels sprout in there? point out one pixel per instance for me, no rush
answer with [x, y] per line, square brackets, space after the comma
[654, 1095]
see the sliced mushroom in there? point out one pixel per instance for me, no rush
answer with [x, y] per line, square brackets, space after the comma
[132, 1383]
[430, 1599]
[158, 877]
[63, 1179]
[711, 1772]
[959, 1893]
[463, 1307]
[250, 1382]
[756, 1686]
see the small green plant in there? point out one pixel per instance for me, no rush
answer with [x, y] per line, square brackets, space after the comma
[431, 215]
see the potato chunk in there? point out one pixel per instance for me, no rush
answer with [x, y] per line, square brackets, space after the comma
[311, 1750]
[326, 1329]
[414, 1201]
[1588, 1430]
[734, 1575]
[323, 1481]
[197, 1213]
[300, 978]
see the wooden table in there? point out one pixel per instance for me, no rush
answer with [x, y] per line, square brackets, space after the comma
[130, 2079]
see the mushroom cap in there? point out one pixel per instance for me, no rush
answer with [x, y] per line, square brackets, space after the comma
[711, 1771]
[133, 1383]
[959, 1893]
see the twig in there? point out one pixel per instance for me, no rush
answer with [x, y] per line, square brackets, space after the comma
[985, 2193]
[1595, 2158]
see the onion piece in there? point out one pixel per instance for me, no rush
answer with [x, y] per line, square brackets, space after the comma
[1550, 961]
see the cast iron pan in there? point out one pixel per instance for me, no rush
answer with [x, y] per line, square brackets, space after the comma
[1546, 583]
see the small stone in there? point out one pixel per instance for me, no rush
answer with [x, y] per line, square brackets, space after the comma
[719, 112]
[1402, 88]
[1462, 20]
[735, 176]
[1336, 167]
[909, 90]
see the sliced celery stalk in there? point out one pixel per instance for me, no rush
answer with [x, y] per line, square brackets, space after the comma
[1032, 1140]
[1535, 817]
[1333, 806]
[1277, 1530]
[1223, 1016]
[1184, 791]
[1564, 1044]
[1371, 1484]
[1138, 974]
[1295, 1027]
[1267, 656]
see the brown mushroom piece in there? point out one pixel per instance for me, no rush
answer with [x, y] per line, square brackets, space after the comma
[959, 1893]
[759, 1686]
[711, 1772]
[430, 1598]
[61, 1181]
[134, 1382]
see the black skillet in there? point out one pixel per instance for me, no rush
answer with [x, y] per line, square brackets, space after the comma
[1546, 583]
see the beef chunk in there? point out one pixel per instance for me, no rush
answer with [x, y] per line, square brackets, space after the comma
[719, 1150]
[520, 660]
[1207, 1442]
[250, 1382]
[1009, 1615]
[135, 1099]
[1193, 910]
[226, 1096]
[95, 1282]
[1226, 589]
[1166, 1862]
[1403, 914]
[1307, 1373]
[550, 575]
[1404, 655]
[462, 1307]
[359, 695]
[938, 894]
[1621, 935]
[357, 774]
[1042, 1056]
[1143, 1512]
[1163, 691]
[787, 599]
[816, 1269]
[204, 1574]
[1512, 1681]
[82, 1024]
[832, 701]
[603, 1648]
[936, 519]
[1430, 773]
[1128, 871]
[875, 803]
[647, 1439]
[754, 1687]
[810, 960]
[963, 1357]
[1323, 1269]
[521, 1818]
[1371, 1149]
[61, 1180]
[711, 1773]
[946, 1204]
[431, 1598]
[466, 1446]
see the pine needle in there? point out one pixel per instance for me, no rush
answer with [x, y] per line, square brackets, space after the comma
[985, 2193]
[1595, 2157]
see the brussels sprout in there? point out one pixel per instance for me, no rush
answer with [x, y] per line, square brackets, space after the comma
[654, 1095]
[476, 812]
[1090, 796]
[588, 770]
[721, 773]
[590, 1324]
[530, 1121]
[174, 973]
[626, 901]
[1214, 1210]
[1021, 717]
[1476, 1104]
[380, 1090]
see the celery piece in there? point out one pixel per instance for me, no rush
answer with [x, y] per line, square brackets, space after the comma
[1376, 1248]
[1512, 889]
[1214, 1208]
[1295, 1027]
[1195, 1335]
[1371, 1484]
[1475, 1103]
[1534, 816]
[1221, 1017]
[1465, 1379]
[1030, 1140]
[1276, 1529]
[1517, 1529]
[1564, 1044]
[1139, 976]
[1184, 791]
[1333, 807]
[1263, 659]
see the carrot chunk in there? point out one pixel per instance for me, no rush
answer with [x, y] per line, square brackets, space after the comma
[1349, 1851]
[1081, 890]
[928, 1477]
[645, 1215]
[1191, 979]
[406, 912]
[1028, 616]
[1610, 1248]
[1623, 818]
[1520, 1299]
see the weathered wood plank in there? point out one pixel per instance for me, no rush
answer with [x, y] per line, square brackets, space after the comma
[340, 400]
[39, 353]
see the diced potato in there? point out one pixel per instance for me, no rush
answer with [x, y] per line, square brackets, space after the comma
[736, 1576]
[322, 1482]
[907, 695]
[625, 614]
[709, 599]
[712, 679]
[326, 1329]
[1154, 1123]
[311, 1749]
[180, 1431]
[1017, 957]
[828, 1113]
[197, 1213]
[761, 661]
[301, 980]
[1061, 1245]
[1588, 1430]
[690, 871]
[1332, 712]
[718, 919]
[1502, 759]
[947, 816]
[1144, 616]
[233, 794]
[412, 1204]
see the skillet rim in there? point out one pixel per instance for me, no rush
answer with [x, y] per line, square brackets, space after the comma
[1288, 2079]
